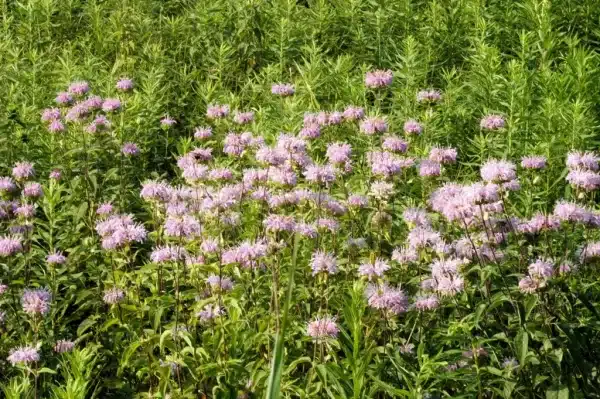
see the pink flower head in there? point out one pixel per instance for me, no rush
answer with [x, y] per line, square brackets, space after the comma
[56, 126]
[378, 79]
[339, 153]
[63, 346]
[33, 190]
[10, 245]
[429, 96]
[412, 127]
[541, 269]
[498, 171]
[322, 328]
[23, 170]
[429, 302]
[113, 296]
[584, 179]
[387, 298]
[168, 253]
[50, 114]
[217, 111]
[202, 133]
[583, 161]
[372, 125]
[353, 113]
[429, 168]
[63, 98]
[372, 270]
[310, 131]
[283, 89]
[7, 185]
[527, 285]
[56, 174]
[56, 258]
[124, 84]
[167, 122]
[571, 212]
[320, 174]
[443, 155]
[36, 301]
[23, 355]
[492, 122]
[323, 262]
[394, 144]
[357, 201]
[111, 105]
[105, 209]
[219, 283]
[130, 149]
[241, 118]
[79, 88]
[279, 223]
[533, 162]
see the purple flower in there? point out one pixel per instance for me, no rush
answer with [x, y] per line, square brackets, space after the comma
[541, 269]
[10, 245]
[23, 170]
[387, 164]
[92, 102]
[63, 98]
[202, 133]
[124, 84]
[50, 114]
[374, 269]
[118, 231]
[153, 190]
[429, 96]
[55, 175]
[498, 171]
[210, 245]
[111, 105]
[167, 122]
[324, 174]
[277, 223]
[25, 211]
[56, 258]
[130, 149]
[335, 118]
[381, 190]
[405, 255]
[394, 144]
[358, 201]
[443, 155]
[584, 179]
[378, 79]
[339, 153]
[186, 226]
[217, 111]
[79, 88]
[62, 346]
[3, 288]
[283, 89]
[510, 363]
[36, 301]
[492, 122]
[104, 209]
[241, 118]
[56, 126]
[219, 283]
[322, 328]
[306, 230]
[582, 161]
[210, 312]
[7, 185]
[33, 190]
[527, 285]
[387, 298]
[572, 212]
[323, 262]
[168, 253]
[113, 296]
[310, 131]
[353, 113]
[23, 355]
[416, 217]
[533, 162]
[429, 168]
[429, 302]
[412, 127]
[372, 125]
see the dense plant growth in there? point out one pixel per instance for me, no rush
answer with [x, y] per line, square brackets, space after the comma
[299, 199]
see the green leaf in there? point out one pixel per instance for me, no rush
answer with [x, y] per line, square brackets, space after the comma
[274, 382]
[560, 392]
[522, 344]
